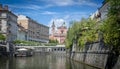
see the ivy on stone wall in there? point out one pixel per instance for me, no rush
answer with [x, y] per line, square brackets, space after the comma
[111, 25]
[82, 31]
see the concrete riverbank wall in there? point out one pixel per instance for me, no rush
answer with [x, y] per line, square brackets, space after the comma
[94, 54]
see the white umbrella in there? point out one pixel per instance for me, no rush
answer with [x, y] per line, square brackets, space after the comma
[22, 49]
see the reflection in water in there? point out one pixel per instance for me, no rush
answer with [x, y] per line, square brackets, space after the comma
[41, 61]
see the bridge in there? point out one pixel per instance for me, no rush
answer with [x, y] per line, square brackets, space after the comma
[51, 49]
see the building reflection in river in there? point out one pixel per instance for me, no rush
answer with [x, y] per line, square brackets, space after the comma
[41, 61]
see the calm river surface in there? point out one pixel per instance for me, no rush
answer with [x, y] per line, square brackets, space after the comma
[41, 61]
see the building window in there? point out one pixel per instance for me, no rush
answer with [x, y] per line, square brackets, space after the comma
[62, 31]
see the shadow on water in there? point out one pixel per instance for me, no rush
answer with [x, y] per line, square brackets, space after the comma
[7, 63]
[3, 63]
[41, 61]
[70, 64]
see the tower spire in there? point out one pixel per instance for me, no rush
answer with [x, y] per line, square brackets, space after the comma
[53, 24]
[53, 28]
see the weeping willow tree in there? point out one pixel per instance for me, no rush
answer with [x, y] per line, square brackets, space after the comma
[82, 31]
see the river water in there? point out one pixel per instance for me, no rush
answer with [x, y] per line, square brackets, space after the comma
[41, 61]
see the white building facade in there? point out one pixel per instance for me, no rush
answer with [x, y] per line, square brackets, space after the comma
[8, 23]
[35, 31]
[101, 13]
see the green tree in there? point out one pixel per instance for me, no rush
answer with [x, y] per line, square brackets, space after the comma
[53, 41]
[111, 26]
[82, 31]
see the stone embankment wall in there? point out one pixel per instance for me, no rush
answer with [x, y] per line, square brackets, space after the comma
[117, 65]
[94, 54]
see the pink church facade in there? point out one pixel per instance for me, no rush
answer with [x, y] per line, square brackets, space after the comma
[58, 34]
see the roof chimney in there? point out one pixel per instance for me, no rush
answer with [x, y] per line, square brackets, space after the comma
[1, 7]
[6, 7]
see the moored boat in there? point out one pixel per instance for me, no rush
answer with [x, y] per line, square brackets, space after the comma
[23, 52]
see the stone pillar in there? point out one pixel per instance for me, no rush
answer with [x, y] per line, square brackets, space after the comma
[7, 48]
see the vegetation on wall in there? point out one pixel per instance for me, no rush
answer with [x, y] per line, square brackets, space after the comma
[82, 31]
[2, 37]
[110, 27]
[23, 42]
[51, 43]
[86, 30]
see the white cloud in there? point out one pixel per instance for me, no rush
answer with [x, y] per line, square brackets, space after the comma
[59, 2]
[58, 22]
[51, 3]
[75, 15]
[70, 2]
[34, 7]
[48, 12]
[66, 16]
[30, 6]
[85, 2]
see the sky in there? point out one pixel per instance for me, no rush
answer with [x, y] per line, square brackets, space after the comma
[59, 11]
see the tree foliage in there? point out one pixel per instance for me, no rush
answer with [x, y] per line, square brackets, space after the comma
[111, 25]
[86, 30]
[53, 41]
[82, 31]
